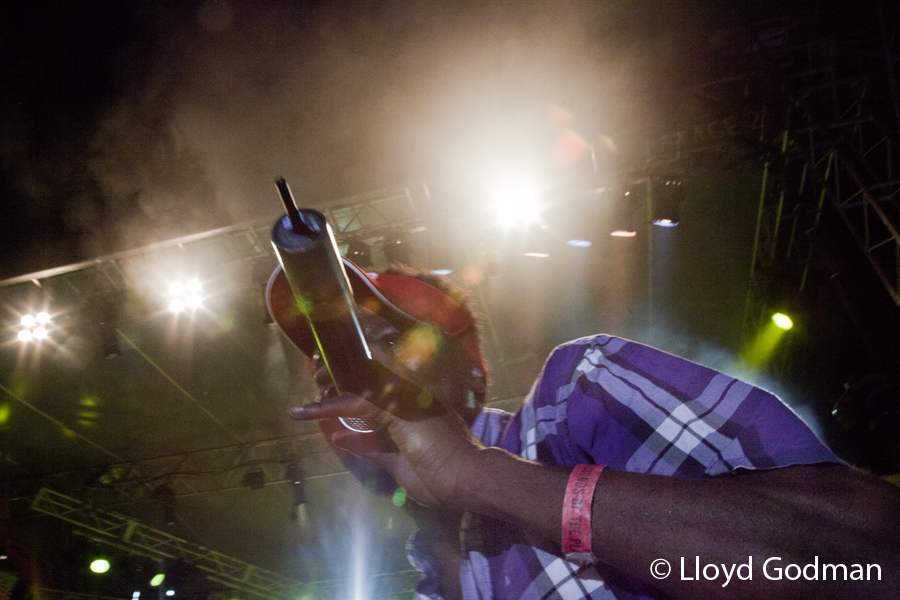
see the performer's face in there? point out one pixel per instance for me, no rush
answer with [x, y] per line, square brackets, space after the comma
[423, 355]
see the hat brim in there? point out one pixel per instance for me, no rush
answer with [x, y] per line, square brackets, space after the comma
[285, 311]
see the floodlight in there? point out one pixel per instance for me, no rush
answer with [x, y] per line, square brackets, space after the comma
[100, 565]
[782, 320]
[28, 320]
[176, 305]
[42, 317]
[516, 204]
[25, 335]
[39, 333]
[665, 223]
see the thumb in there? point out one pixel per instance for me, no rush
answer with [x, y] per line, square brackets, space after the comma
[361, 444]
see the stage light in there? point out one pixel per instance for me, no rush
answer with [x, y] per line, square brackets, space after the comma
[442, 272]
[157, 580]
[623, 233]
[100, 565]
[537, 254]
[360, 253]
[35, 327]
[170, 592]
[668, 194]
[759, 351]
[782, 320]
[185, 296]
[516, 205]
[579, 243]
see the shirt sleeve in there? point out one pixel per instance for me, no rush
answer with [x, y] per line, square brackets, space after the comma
[606, 400]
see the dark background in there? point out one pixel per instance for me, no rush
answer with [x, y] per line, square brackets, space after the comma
[127, 127]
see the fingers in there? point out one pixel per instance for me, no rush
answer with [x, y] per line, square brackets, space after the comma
[362, 444]
[345, 405]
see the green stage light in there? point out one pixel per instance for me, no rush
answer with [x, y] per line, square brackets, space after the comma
[101, 565]
[782, 320]
[157, 580]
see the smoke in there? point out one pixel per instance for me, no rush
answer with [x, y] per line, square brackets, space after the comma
[341, 100]
[127, 124]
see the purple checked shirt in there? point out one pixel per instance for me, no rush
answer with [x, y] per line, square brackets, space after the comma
[606, 400]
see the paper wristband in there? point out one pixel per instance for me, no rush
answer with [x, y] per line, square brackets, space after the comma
[576, 515]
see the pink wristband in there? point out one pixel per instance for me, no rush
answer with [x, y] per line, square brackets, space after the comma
[576, 515]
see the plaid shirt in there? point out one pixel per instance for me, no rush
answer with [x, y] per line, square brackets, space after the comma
[605, 400]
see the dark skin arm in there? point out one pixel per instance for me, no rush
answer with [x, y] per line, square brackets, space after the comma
[795, 513]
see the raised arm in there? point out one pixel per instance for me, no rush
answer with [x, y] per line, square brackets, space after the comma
[828, 514]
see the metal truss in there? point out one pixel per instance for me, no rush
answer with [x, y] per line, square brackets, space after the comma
[113, 276]
[201, 472]
[379, 213]
[817, 113]
[129, 534]
[192, 473]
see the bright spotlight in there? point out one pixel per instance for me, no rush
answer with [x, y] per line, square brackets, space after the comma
[39, 333]
[443, 272]
[782, 320]
[28, 320]
[170, 592]
[579, 243]
[176, 305]
[25, 335]
[176, 289]
[101, 565]
[42, 317]
[623, 233]
[665, 223]
[192, 301]
[516, 204]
